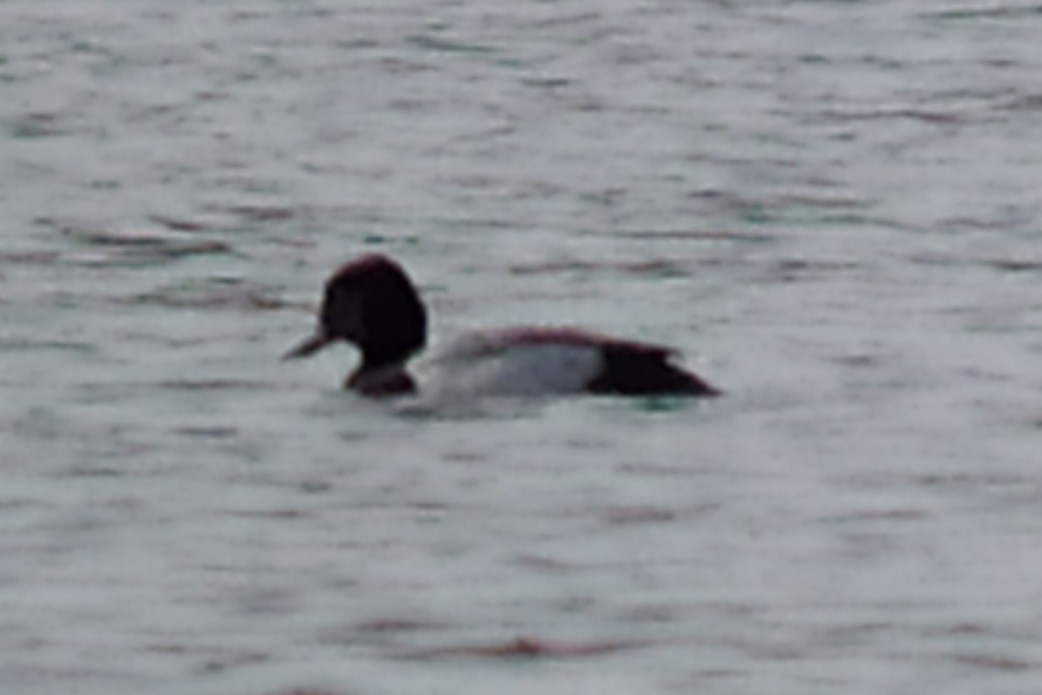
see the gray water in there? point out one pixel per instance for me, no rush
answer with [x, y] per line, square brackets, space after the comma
[832, 207]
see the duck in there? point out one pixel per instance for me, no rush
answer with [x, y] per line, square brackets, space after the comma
[371, 303]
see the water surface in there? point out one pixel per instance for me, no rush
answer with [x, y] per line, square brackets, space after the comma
[831, 207]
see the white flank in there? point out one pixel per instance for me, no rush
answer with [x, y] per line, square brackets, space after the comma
[523, 370]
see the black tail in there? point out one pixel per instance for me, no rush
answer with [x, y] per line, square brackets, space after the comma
[646, 372]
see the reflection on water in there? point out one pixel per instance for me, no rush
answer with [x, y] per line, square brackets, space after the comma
[830, 205]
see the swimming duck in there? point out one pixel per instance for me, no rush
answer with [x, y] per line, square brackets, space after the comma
[371, 303]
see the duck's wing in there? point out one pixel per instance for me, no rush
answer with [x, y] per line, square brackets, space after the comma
[551, 359]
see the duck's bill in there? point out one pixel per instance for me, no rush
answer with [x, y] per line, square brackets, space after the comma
[309, 347]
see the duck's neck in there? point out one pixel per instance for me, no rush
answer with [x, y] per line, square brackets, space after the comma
[382, 355]
[385, 349]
